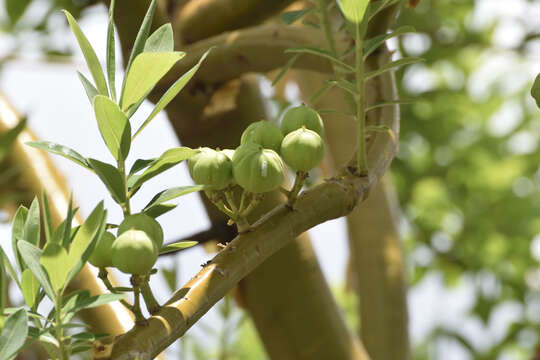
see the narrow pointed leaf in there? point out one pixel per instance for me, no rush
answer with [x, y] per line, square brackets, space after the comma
[142, 35]
[320, 92]
[15, 9]
[389, 103]
[89, 54]
[89, 88]
[13, 334]
[346, 85]
[292, 16]
[139, 165]
[30, 287]
[66, 237]
[285, 68]
[61, 150]
[83, 300]
[177, 246]
[173, 91]
[8, 138]
[47, 223]
[353, 10]
[321, 53]
[112, 179]
[111, 59]
[9, 267]
[392, 65]
[171, 194]
[113, 126]
[535, 90]
[162, 40]
[55, 261]
[17, 233]
[147, 69]
[376, 6]
[167, 160]
[31, 225]
[158, 210]
[31, 255]
[372, 44]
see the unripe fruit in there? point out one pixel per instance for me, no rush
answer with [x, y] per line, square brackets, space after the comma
[102, 254]
[228, 152]
[299, 116]
[134, 252]
[144, 223]
[264, 133]
[256, 169]
[192, 160]
[212, 168]
[302, 149]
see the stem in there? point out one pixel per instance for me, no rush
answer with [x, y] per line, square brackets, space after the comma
[59, 330]
[126, 207]
[103, 275]
[299, 180]
[139, 318]
[256, 200]
[230, 200]
[360, 103]
[151, 303]
[242, 200]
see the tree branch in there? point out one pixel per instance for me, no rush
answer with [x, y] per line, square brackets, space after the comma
[332, 199]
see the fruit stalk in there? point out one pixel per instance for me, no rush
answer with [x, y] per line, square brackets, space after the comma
[103, 275]
[151, 303]
[361, 156]
[299, 180]
[139, 318]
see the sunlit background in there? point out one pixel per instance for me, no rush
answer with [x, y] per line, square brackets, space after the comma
[467, 173]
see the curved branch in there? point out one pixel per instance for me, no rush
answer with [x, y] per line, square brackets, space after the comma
[332, 199]
[201, 19]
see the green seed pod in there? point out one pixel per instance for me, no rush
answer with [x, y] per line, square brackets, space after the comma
[264, 133]
[192, 160]
[144, 223]
[256, 169]
[302, 149]
[102, 255]
[299, 116]
[134, 252]
[228, 152]
[212, 168]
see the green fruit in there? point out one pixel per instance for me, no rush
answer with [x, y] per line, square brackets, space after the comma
[212, 168]
[302, 149]
[256, 169]
[134, 252]
[144, 223]
[101, 255]
[192, 160]
[264, 133]
[299, 116]
[228, 152]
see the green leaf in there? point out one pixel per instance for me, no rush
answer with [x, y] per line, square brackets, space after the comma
[8, 138]
[140, 40]
[535, 90]
[372, 44]
[162, 40]
[17, 233]
[31, 255]
[83, 300]
[10, 268]
[177, 246]
[89, 88]
[147, 69]
[389, 103]
[158, 210]
[55, 261]
[292, 16]
[167, 160]
[353, 10]
[111, 53]
[391, 65]
[172, 193]
[140, 164]
[111, 177]
[84, 242]
[47, 223]
[376, 6]
[173, 91]
[13, 334]
[30, 287]
[89, 54]
[320, 92]
[346, 85]
[321, 53]
[285, 68]
[66, 237]
[15, 9]
[61, 150]
[113, 126]
[31, 225]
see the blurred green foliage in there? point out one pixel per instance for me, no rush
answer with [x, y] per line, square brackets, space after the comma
[468, 170]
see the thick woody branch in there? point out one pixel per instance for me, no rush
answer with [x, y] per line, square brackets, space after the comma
[201, 19]
[332, 199]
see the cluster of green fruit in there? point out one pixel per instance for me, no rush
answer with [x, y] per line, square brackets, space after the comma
[257, 165]
[136, 248]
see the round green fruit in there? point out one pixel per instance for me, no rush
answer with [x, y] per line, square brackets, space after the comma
[302, 149]
[144, 223]
[212, 168]
[264, 133]
[101, 255]
[134, 252]
[228, 152]
[256, 169]
[299, 116]
[192, 160]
